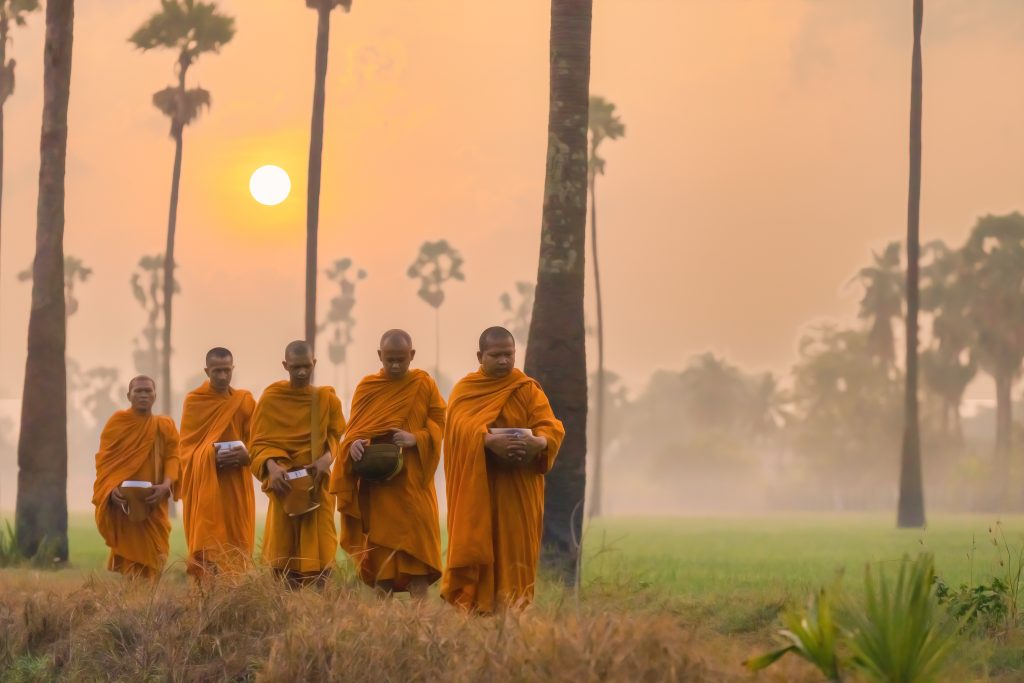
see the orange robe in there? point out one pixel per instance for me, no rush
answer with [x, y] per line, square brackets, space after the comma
[128, 452]
[391, 528]
[495, 511]
[282, 431]
[219, 505]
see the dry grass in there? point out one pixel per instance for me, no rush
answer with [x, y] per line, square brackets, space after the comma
[252, 628]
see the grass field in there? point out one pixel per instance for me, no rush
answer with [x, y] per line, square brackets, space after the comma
[717, 583]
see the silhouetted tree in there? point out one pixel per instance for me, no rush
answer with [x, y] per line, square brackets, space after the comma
[41, 512]
[948, 365]
[316, 151]
[147, 288]
[74, 271]
[437, 263]
[556, 351]
[993, 260]
[518, 322]
[604, 124]
[192, 28]
[339, 315]
[884, 285]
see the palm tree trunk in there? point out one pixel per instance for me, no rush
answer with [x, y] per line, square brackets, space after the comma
[911, 502]
[556, 350]
[316, 153]
[41, 513]
[1004, 432]
[178, 133]
[595, 504]
[172, 225]
[437, 343]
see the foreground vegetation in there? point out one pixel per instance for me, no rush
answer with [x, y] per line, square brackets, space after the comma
[661, 600]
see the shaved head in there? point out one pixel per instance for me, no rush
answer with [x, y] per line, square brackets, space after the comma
[396, 337]
[299, 362]
[396, 353]
[494, 335]
[219, 353]
[140, 378]
[298, 348]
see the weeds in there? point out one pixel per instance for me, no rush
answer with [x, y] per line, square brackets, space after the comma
[896, 636]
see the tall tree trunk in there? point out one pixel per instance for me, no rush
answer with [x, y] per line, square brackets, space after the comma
[595, 492]
[911, 503]
[556, 350]
[316, 153]
[172, 226]
[1004, 432]
[178, 133]
[41, 513]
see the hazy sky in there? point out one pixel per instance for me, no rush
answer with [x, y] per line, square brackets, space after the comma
[765, 156]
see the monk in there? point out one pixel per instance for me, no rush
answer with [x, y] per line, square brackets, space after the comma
[137, 446]
[496, 481]
[216, 486]
[297, 426]
[391, 528]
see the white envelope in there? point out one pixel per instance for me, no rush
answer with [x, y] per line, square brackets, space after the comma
[222, 446]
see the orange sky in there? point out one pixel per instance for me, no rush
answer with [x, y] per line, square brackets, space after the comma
[765, 155]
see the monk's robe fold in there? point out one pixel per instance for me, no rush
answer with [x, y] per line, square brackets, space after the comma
[219, 505]
[391, 528]
[128, 451]
[281, 431]
[495, 511]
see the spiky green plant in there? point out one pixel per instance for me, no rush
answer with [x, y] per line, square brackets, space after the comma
[899, 636]
[812, 634]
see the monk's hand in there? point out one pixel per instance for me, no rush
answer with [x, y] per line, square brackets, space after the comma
[355, 451]
[321, 469]
[535, 445]
[117, 499]
[239, 457]
[403, 439]
[275, 479]
[158, 493]
[498, 444]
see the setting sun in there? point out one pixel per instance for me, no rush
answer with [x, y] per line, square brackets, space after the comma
[270, 185]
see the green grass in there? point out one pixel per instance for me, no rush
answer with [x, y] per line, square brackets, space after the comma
[698, 557]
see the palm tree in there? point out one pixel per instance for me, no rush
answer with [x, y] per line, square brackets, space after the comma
[884, 288]
[604, 124]
[435, 264]
[191, 27]
[949, 364]
[147, 285]
[41, 512]
[910, 509]
[316, 152]
[75, 271]
[994, 274]
[339, 316]
[520, 312]
[556, 351]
